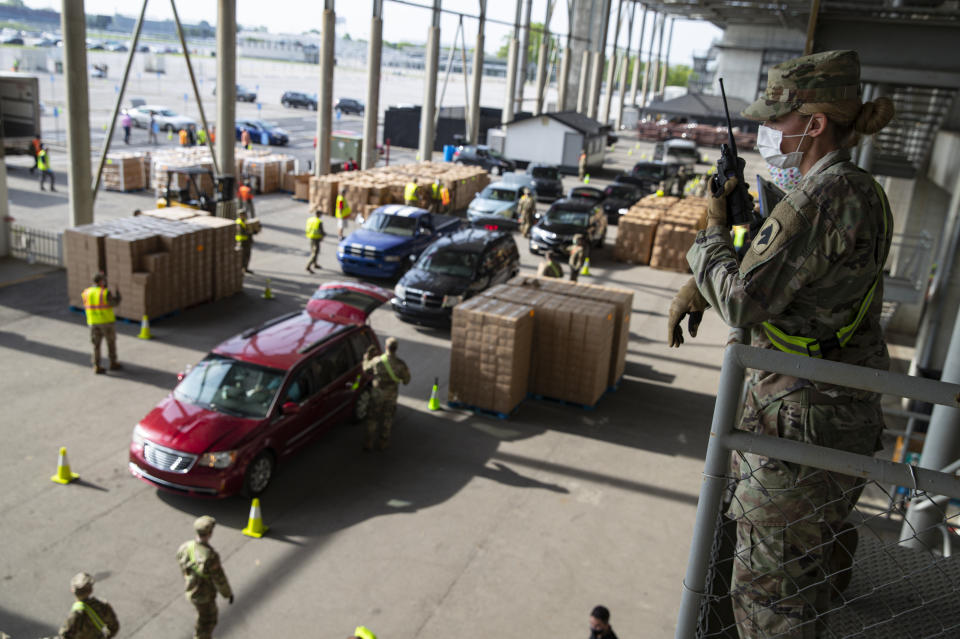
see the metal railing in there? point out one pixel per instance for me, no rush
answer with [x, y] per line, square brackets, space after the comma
[36, 245]
[872, 606]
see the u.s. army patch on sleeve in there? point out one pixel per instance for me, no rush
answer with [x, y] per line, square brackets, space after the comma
[768, 232]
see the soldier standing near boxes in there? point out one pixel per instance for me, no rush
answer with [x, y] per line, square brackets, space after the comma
[388, 371]
[98, 303]
[411, 197]
[810, 284]
[244, 238]
[314, 233]
[526, 208]
[203, 576]
[89, 617]
[550, 266]
[578, 254]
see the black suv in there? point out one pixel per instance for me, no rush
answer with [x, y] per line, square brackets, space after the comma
[619, 196]
[547, 180]
[297, 99]
[452, 269]
[482, 155]
[648, 175]
[564, 219]
[348, 106]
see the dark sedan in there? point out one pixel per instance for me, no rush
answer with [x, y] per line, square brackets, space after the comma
[619, 197]
[547, 180]
[263, 132]
[296, 99]
[649, 175]
[564, 219]
[348, 106]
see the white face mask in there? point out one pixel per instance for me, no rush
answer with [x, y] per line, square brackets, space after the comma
[768, 143]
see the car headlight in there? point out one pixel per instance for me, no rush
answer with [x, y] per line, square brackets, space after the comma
[391, 258]
[139, 439]
[400, 291]
[451, 300]
[549, 235]
[218, 460]
[623, 211]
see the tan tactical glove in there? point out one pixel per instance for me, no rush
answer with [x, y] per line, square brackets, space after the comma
[688, 300]
[716, 213]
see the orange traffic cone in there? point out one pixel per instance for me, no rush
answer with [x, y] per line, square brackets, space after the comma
[63, 475]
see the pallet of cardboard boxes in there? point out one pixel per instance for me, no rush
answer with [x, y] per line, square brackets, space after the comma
[659, 231]
[538, 336]
[126, 171]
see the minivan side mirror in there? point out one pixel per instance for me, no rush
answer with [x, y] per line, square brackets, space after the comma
[290, 408]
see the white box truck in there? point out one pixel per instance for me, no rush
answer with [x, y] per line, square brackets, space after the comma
[19, 111]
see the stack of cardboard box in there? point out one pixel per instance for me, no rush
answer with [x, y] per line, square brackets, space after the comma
[268, 170]
[635, 233]
[158, 263]
[126, 171]
[490, 354]
[658, 231]
[268, 167]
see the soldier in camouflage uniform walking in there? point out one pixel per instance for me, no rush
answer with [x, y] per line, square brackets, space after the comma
[810, 284]
[203, 576]
[388, 371]
[89, 617]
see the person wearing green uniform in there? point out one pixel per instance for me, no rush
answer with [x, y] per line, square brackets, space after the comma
[811, 284]
[203, 576]
[89, 617]
[98, 304]
[314, 232]
[388, 372]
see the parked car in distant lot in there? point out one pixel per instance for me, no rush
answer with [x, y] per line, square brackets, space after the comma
[257, 128]
[261, 396]
[547, 180]
[296, 99]
[588, 193]
[495, 207]
[648, 176]
[244, 94]
[522, 180]
[452, 269]
[348, 106]
[619, 197]
[117, 46]
[13, 40]
[677, 151]
[564, 219]
[482, 155]
[389, 238]
[166, 119]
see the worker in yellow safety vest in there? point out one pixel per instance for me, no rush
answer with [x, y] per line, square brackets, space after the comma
[244, 238]
[411, 196]
[435, 196]
[362, 632]
[89, 617]
[43, 165]
[98, 303]
[341, 212]
[314, 232]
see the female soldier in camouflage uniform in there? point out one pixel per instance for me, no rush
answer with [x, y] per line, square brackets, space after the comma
[810, 284]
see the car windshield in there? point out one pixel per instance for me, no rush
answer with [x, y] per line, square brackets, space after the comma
[231, 387]
[166, 112]
[546, 173]
[448, 262]
[391, 224]
[498, 195]
[563, 216]
[619, 192]
[648, 171]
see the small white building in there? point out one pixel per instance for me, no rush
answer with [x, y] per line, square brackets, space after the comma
[556, 138]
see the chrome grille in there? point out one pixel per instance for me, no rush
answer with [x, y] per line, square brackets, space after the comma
[358, 250]
[166, 459]
[425, 299]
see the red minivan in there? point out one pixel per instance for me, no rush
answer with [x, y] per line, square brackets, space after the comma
[260, 396]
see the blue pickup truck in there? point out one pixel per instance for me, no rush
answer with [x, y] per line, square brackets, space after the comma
[393, 234]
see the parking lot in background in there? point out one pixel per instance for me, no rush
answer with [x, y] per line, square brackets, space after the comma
[469, 525]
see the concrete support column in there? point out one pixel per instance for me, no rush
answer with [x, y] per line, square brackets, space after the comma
[477, 77]
[612, 69]
[563, 84]
[542, 55]
[226, 85]
[325, 96]
[655, 73]
[372, 111]
[666, 59]
[512, 51]
[583, 88]
[524, 52]
[598, 61]
[646, 70]
[626, 66]
[430, 86]
[73, 23]
[635, 81]
[4, 208]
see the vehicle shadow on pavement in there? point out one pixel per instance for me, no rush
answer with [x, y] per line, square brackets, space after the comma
[37, 200]
[26, 627]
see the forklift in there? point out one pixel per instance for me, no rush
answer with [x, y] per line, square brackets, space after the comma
[190, 195]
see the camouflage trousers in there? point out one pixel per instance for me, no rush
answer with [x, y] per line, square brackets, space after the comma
[314, 253]
[789, 560]
[206, 618]
[98, 333]
[379, 420]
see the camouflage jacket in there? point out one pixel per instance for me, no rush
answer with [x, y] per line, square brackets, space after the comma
[202, 573]
[577, 256]
[382, 381]
[550, 268]
[526, 208]
[807, 271]
[79, 625]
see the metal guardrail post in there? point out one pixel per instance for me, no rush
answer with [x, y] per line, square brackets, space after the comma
[711, 491]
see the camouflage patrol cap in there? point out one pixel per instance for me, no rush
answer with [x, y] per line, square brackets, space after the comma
[81, 581]
[204, 525]
[830, 76]
[391, 343]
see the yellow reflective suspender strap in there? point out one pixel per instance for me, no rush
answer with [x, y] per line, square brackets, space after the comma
[811, 347]
[556, 269]
[386, 364]
[356, 382]
[191, 553]
[81, 606]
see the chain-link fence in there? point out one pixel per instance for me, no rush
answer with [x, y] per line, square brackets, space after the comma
[802, 541]
[36, 245]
